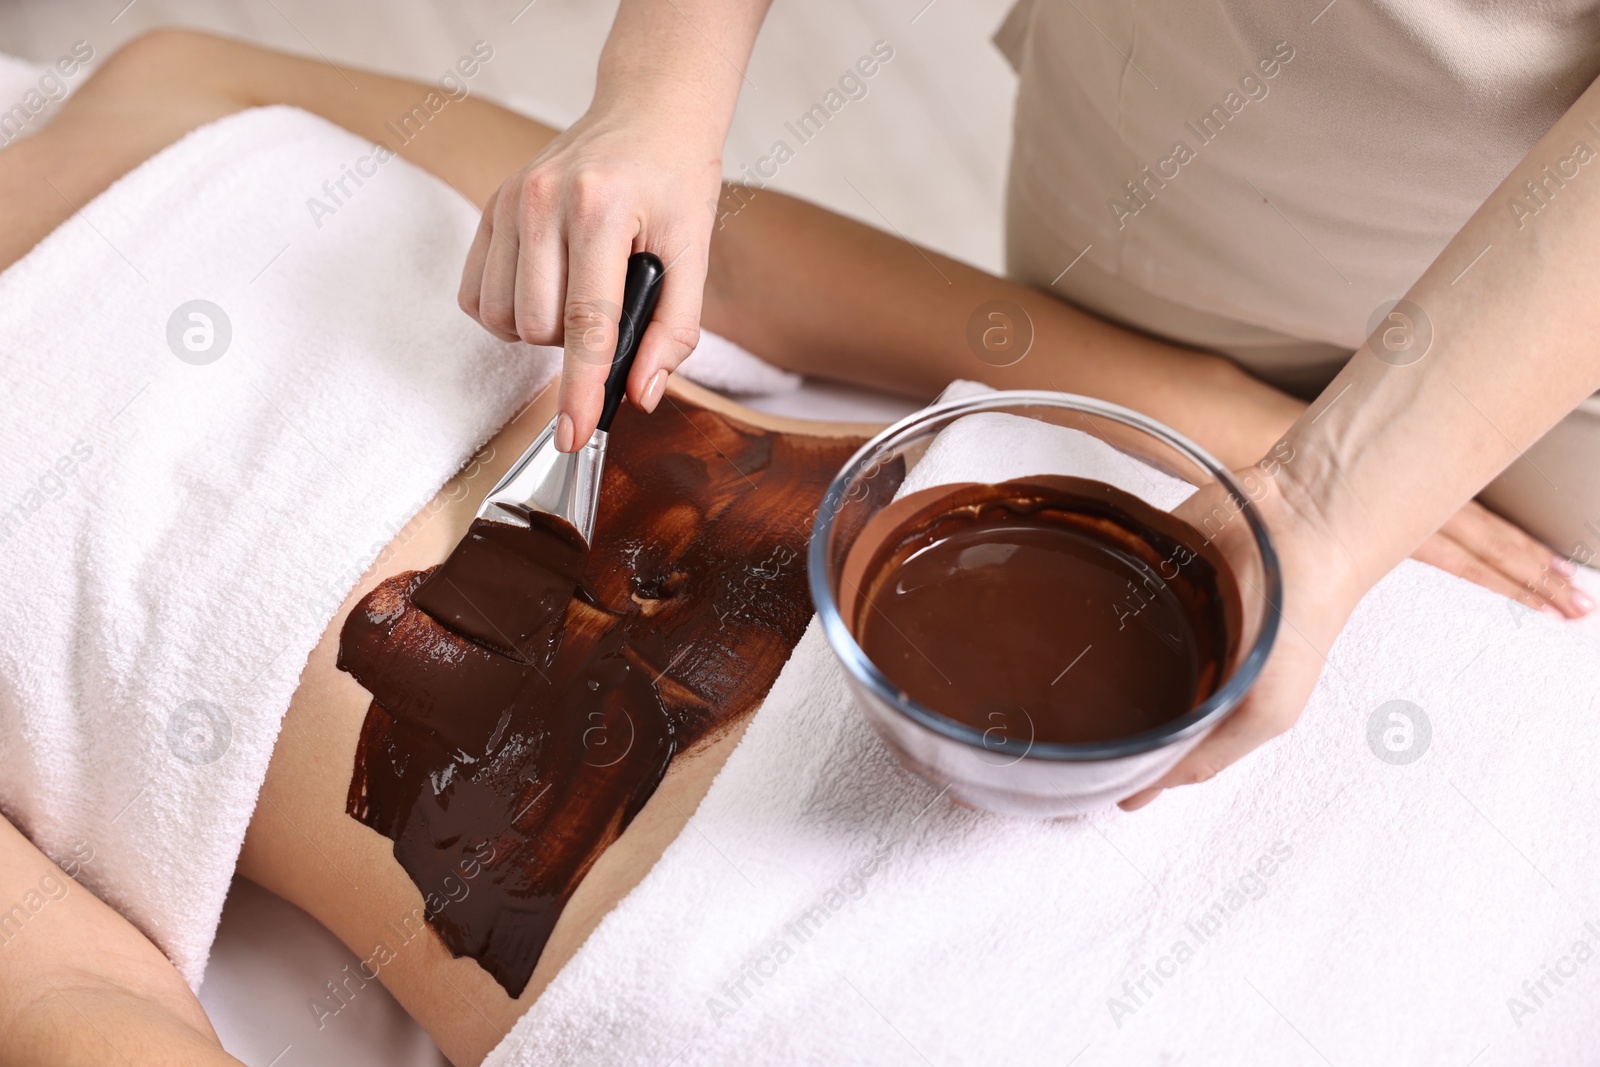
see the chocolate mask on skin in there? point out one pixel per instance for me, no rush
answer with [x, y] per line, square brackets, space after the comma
[523, 772]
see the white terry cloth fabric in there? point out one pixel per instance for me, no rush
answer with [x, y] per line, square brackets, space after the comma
[177, 534]
[1314, 903]
[717, 363]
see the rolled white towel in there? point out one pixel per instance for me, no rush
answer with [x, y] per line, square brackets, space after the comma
[717, 363]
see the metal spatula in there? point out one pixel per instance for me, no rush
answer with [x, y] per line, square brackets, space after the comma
[506, 585]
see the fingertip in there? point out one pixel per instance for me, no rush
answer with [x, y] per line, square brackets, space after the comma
[661, 352]
[574, 427]
[579, 401]
[1140, 799]
[654, 389]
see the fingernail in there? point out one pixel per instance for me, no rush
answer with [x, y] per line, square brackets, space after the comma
[652, 391]
[1582, 601]
[1550, 609]
[564, 432]
[1563, 566]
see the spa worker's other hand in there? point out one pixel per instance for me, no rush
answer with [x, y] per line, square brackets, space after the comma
[1323, 580]
[1319, 591]
[640, 171]
[1322, 584]
[551, 254]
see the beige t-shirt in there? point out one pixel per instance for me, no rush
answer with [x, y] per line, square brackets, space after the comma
[1261, 177]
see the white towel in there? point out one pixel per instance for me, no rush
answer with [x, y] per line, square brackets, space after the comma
[177, 534]
[1315, 903]
[717, 363]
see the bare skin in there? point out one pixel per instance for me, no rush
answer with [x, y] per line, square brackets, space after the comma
[895, 317]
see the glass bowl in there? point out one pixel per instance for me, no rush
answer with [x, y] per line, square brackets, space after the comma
[1014, 775]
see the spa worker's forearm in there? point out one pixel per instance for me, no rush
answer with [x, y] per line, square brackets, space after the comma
[1389, 450]
[682, 60]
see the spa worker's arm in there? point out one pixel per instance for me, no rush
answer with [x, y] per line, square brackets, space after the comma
[640, 171]
[1388, 452]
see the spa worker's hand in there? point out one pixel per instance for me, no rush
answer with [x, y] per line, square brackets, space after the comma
[1390, 452]
[640, 171]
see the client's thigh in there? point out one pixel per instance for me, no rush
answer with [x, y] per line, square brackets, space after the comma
[159, 87]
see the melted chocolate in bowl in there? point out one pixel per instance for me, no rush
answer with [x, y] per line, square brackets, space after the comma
[1044, 610]
[506, 771]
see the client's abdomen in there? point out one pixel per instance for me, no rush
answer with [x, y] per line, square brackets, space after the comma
[510, 778]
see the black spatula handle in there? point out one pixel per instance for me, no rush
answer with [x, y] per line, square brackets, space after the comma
[639, 296]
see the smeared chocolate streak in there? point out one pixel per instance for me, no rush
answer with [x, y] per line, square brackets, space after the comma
[506, 586]
[1046, 609]
[693, 597]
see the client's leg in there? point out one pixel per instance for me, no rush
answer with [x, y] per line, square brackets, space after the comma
[162, 85]
[78, 984]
